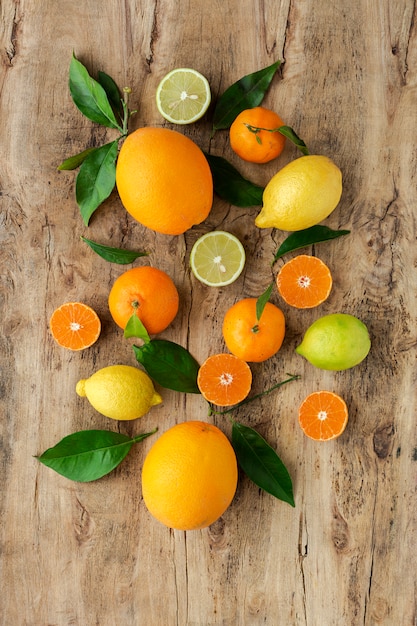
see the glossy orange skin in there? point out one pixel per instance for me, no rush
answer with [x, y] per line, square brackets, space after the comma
[249, 339]
[262, 146]
[147, 291]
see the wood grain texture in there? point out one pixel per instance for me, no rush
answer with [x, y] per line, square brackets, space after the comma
[90, 554]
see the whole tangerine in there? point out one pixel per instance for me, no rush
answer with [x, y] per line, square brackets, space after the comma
[252, 339]
[254, 135]
[147, 292]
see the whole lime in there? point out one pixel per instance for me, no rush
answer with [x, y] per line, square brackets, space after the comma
[337, 341]
[301, 194]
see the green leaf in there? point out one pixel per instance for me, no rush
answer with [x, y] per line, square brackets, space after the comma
[96, 179]
[89, 454]
[262, 300]
[290, 134]
[261, 463]
[169, 364]
[308, 237]
[135, 328]
[90, 97]
[230, 185]
[112, 90]
[75, 161]
[114, 255]
[246, 93]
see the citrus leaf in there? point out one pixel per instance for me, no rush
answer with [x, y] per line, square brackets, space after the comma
[75, 161]
[112, 91]
[135, 328]
[88, 455]
[96, 179]
[169, 364]
[89, 96]
[230, 185]
[308, 237]
[290, 134]
[261, 463]
[262, 300]
[114, 255]
[246, 93]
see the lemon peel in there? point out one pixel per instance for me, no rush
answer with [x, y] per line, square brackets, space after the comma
[302, 194]
[121, 392]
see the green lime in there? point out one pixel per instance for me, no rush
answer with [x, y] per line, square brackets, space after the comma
[335, 342]
[183, 96]
[217, 258]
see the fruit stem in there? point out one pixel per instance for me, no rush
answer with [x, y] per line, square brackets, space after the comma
[256, 396]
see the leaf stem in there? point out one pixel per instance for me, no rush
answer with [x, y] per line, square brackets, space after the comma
[255, 397]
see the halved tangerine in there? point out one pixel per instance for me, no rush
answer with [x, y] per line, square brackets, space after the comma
[75, 326]
[323, 415]
[304, 281]
[224, 379]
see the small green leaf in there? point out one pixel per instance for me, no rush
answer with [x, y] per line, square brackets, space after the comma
[112, 90]
[290, 134]
[96, 179]
[169, 364]
[230, 185]
[89, 96]
[246, 93]
[114, 255]
[75, 161]
[261, 463]
[308, 237]
[135, 328]
[89, 454]
[262, 300]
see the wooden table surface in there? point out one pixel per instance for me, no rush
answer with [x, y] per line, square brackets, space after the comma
[89, 553]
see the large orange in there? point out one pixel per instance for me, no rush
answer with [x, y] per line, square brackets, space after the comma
[249, 338]
[254, 135]
[164, 180]
[189, 476]
[148, 292]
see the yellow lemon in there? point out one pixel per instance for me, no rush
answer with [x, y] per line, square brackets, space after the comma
[337, 341]
[120, 392]
[301, 194]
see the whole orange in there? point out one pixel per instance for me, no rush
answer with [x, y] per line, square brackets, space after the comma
[189, 476]
[148, 292]
[254, 135]
[249, 338]
[164, 180]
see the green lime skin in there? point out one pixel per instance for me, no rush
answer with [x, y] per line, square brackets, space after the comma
[335, 342]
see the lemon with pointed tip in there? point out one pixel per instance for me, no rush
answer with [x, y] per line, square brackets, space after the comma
[336, 342]
[301, 194]
[121, 392]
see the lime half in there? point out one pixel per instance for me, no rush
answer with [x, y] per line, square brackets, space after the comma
[183, 96]
[217, 258]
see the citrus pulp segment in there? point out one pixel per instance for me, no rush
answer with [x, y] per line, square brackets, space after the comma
[217, 258]
[323, 415]
[183, 96]
[75, 326]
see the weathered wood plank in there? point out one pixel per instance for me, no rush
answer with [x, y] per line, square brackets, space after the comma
[90, 553]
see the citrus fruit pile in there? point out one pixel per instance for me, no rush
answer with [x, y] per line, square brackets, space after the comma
[164, 181]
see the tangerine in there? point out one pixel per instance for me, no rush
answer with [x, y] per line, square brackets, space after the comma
[75, 326]
[189, 476]
[250, 338]
[224, 379]
[304, 281]
[254, 135]
[164, 180]
[323, 415]
[147, 292]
